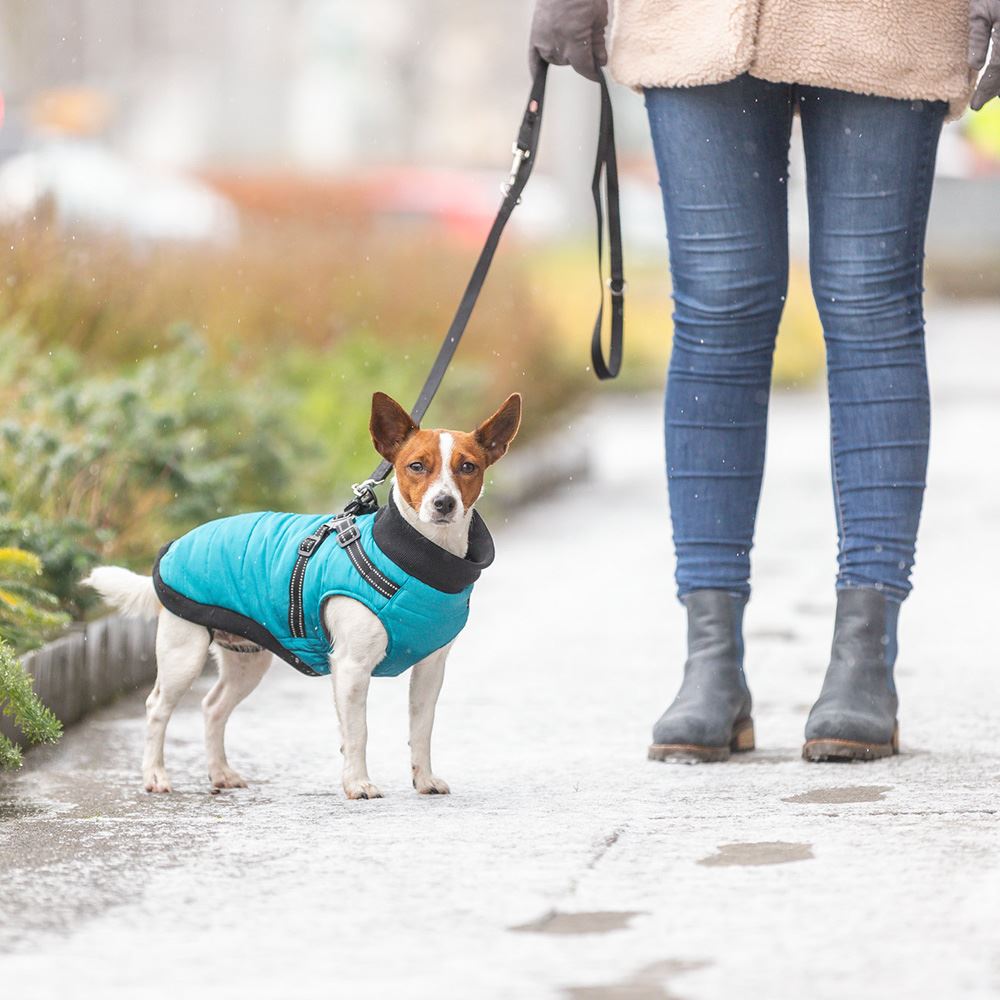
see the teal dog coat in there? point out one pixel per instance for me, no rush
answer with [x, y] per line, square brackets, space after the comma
[266, 576]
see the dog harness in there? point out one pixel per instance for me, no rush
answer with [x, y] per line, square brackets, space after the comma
[265, 578]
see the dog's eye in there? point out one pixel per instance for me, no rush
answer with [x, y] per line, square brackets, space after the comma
[416, 466]
[467, 467]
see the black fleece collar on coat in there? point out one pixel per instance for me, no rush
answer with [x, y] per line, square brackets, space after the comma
[417, 555]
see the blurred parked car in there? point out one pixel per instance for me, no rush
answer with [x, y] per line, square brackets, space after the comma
[81, 184]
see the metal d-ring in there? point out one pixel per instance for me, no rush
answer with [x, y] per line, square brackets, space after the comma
[520, 155]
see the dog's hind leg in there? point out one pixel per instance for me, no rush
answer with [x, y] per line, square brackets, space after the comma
[239, 674]
[181, 648]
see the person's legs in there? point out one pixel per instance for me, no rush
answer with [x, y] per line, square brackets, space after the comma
[722, 155]
[870, 165]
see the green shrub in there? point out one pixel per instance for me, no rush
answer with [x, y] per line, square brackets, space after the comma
[28, 613]
[333, 402]
[108, 467]
[19, 702]
[135, 456]
[67, 551]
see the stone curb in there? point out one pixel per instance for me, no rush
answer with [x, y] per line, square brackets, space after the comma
[90, 667]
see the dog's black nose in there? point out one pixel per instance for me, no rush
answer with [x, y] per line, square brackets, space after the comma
[444, 503]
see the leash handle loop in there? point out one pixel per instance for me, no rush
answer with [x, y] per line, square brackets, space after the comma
[606, 170]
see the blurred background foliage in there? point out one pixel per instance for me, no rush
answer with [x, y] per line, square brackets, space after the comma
[145, 392]
[210, 264]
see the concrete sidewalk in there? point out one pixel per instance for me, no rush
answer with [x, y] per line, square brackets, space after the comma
[565, 864]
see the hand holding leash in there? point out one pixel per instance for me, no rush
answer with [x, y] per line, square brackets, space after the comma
[569, 32]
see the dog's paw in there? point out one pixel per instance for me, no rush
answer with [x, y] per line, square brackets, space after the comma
[157, 780]
[226, 777]
[429, 784]
[361, 790]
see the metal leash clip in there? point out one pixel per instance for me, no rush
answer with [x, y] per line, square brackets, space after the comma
[365, 501]
[520, 155]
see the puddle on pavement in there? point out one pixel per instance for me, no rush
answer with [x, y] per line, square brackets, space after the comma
[653, 982]
[842, 795]
[593, 922]
[18, 810]
[763, 853]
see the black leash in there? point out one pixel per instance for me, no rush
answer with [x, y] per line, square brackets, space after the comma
[604, 188]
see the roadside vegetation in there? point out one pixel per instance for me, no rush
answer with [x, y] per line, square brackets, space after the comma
[19, 702]
[145, 390]
[28, 612]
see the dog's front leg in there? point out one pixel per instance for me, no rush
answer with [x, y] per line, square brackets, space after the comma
[359, 644]
[425, 686]
[350, 687]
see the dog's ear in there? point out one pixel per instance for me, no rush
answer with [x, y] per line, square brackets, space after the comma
[390, 426]
[495, 434]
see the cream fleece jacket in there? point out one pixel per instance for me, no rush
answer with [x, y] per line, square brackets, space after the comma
[912, 49]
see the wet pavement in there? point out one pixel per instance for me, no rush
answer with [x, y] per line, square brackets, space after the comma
[564, 864]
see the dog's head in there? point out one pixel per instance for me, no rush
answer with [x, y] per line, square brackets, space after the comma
[439, 473]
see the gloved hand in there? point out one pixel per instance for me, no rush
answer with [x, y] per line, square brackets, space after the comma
[985, 20]
[569, 32]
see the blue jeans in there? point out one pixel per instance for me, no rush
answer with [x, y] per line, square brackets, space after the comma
[722, 154]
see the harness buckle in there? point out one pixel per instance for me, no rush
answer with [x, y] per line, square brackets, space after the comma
[308, 544]
[347, 531]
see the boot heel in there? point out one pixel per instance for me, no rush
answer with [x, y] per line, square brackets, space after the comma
[743, 737]
[820, 749]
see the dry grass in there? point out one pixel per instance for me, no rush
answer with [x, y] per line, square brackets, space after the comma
[287, 288]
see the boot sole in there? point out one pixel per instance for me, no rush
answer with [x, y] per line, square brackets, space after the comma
[820, 750]
[741, 741]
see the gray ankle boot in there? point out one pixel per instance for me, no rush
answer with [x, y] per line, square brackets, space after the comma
[855, 716]
[710, 717]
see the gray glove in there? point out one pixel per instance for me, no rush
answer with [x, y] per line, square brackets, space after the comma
[985, 21]
[569, 32]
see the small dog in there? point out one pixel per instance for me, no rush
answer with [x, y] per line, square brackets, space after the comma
[355, 596]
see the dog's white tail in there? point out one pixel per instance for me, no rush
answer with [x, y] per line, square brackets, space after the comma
[131, 594]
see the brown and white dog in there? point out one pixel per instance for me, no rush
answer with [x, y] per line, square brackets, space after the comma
[438, 477]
